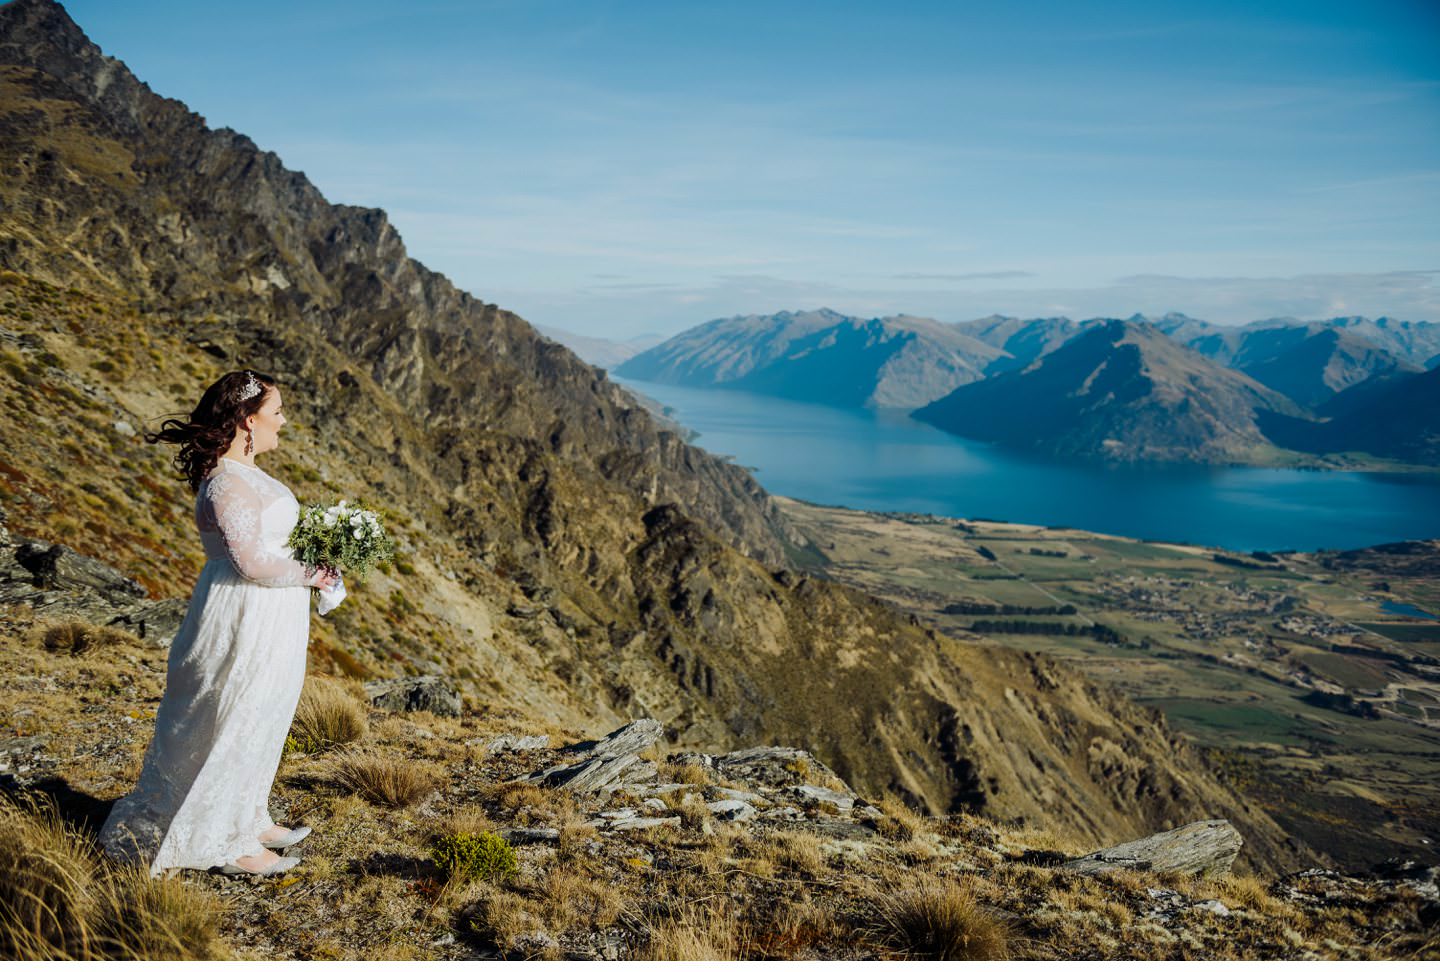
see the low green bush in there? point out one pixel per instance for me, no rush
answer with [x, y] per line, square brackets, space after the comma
[485, 856]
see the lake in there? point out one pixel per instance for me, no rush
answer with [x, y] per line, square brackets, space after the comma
[888, 461]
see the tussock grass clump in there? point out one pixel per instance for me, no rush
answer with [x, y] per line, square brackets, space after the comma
[696, 934]
[795, 850]
[484, 856]
[81, 638]
[692, 773]
[328, 716]
[387, 782]
[140, 918]
[46, 875]
[60, 901]
[503, 919]
[574, 899]
[901, 822]
[943, 920]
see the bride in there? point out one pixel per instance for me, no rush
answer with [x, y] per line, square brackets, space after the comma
[237, 665]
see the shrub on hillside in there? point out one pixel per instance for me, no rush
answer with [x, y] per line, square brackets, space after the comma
[484, 856]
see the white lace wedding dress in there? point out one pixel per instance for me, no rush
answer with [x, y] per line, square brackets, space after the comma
[234, 676]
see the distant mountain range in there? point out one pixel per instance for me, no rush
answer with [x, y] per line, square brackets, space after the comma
[821, 356]
[1167, 389]
[599, 351]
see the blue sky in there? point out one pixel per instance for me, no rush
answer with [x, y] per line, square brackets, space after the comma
[616, 168]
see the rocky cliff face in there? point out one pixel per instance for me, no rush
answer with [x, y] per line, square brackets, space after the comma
[564, 556]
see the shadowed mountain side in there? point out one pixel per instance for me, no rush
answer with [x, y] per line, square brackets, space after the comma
[1309, 363]
[1121, 392]
[820, 356]
[1394, 415]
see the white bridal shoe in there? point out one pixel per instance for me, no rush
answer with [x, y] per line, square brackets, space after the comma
[279, 866]
[296, 835]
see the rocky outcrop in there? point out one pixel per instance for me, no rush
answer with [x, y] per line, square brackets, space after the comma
[53, 580]
[422, 693]
[1207, 847]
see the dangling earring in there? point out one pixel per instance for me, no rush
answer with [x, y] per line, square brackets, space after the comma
[249, 442]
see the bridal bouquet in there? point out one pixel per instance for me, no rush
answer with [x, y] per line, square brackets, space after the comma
[349, 538]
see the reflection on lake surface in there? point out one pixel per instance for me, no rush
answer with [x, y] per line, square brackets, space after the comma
[888, 461]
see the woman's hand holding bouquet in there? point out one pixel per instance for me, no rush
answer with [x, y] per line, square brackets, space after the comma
[340, 537]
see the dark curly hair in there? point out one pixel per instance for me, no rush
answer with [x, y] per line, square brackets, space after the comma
[212, 424]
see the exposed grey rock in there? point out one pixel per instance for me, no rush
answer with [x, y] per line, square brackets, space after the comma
[783, 813]
[512, 743]
[154, 621]
[54, 566]
[654, 804]
[1212, 905]
[643, 823]
[731, 809]
[807, 795]
[125, 429]
[621, 813]
[771, 765]
[420, 693]
[605, 759]
[867, 812]
[1207, 847]
[726, 793]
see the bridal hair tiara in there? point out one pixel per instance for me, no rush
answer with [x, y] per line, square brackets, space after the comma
[251, 389]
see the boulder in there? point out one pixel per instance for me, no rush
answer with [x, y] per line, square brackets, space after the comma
[1206, 848]
[731, 809]
[421, 693]
[54, 566]
[604, 760]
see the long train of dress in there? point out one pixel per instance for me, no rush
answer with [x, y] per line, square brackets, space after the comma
[233, 681]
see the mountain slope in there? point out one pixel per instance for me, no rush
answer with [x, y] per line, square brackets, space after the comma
[1307, 361]
[819, 356]
[1395, 416]
[1121, 392]
[1022, 340]
[564, 556]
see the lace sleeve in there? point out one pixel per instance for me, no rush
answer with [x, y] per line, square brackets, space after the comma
[235, 508]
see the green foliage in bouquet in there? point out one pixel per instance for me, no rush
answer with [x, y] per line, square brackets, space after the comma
[486, 856]
[351, 538]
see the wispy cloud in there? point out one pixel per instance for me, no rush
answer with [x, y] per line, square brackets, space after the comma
[987, 275]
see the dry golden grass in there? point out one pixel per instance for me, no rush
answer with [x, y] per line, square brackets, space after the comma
[59, 900]
[696, 934]
[502, 918]
[1249, 891]
[940, 919]
[692, 773]
[900, 821]
[689, 805]
[531, 804]
[46, 874]
[571, 898]
[386, 781]
[328, 715]
[793, 850]
[141, 918]
[81, 638]
[797, 930]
